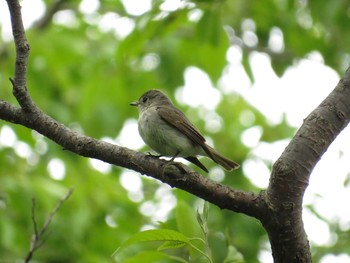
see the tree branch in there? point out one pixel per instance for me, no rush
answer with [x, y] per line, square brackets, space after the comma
[291, 173]
[279, 208]
[37, 238]
[22, 52]
[180, 176]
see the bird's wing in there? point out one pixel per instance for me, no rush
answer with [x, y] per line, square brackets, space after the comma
[178, 120]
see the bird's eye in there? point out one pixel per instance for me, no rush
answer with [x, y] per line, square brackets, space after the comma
[144, 99]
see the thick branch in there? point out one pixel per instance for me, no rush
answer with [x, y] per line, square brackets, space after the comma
[291, 173]
[177, 175]
[280, 209]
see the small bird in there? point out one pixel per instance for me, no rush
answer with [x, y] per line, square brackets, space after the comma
[166, 129]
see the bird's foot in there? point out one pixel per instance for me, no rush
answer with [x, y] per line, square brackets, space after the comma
[166, 166]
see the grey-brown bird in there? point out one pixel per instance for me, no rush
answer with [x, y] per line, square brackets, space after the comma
[166, 129]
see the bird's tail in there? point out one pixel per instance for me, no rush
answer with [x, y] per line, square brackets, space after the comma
[220, 159]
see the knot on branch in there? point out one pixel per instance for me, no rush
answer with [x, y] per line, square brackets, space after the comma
[22, 96]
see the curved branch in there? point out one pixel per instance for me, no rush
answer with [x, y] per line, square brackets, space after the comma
[291, 173]
[174, 174]
[177, 175]
[22, 52]
[279, 208]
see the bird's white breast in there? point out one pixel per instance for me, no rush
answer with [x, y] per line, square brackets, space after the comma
[164, 138]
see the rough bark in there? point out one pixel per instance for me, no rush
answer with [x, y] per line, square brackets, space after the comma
[279, 208]
[291, 173]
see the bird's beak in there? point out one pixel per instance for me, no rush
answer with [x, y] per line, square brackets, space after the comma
[134, 103]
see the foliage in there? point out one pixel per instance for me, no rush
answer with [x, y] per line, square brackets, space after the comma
[85, 74]
[175, 240]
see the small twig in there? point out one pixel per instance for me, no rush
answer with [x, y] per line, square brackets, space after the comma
[33, 217]
[37, 238]
[58, 206]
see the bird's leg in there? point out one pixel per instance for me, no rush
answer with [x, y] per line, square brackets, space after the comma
[173, 158]
[171, 162]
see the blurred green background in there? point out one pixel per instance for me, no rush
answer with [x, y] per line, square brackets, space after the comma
[89, 60]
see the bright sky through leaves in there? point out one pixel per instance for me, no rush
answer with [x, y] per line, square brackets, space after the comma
[301, 88]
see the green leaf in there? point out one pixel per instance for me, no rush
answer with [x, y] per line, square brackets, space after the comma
[171, 245]
[233, 256]
[209, 27]
[187, 224]
[202, 218]
[186, 221]
[206, 210]
[156, 235]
